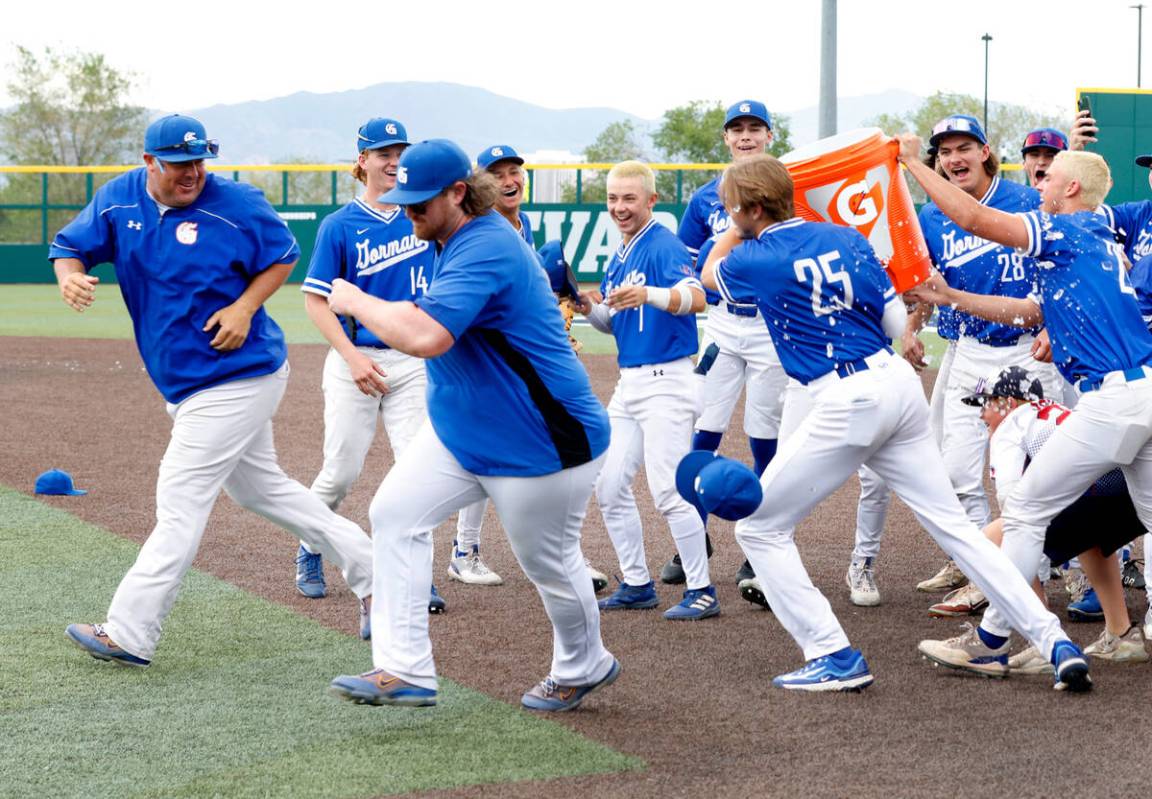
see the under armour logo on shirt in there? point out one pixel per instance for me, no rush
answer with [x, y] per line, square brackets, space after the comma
[134, 225]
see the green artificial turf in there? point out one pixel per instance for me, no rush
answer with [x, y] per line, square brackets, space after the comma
[234, 704]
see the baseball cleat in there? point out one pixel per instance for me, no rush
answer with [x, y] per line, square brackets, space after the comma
[95, 641]
[469, 569]
[698, 603]
[672, 573]
[845, 670]
[1086, 608]
[965, 601]
[378, 687]
[745, 572]
[599, 578]
[946, 579]
[1029, 661]
[631, 597]
[861, 579]
[1132, 576]
[967, 652]
[551, 697]
[1126, 648]
[753, 591]
[310, 574]
[1071, 668]
[436, 603]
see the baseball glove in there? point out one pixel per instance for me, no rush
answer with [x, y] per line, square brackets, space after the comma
[568, 311]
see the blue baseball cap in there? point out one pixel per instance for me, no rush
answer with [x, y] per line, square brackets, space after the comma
[497, 153]
[560, 273]
[57, 483]
[957, 124]
[176, 138]
[1044, 138]
[718, 485]
[425, 170]
[748, 108]
[380, 132]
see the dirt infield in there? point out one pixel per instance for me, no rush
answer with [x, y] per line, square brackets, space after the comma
[694, 699]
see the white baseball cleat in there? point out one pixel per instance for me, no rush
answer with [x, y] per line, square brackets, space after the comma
[468, 568]
[861, 579]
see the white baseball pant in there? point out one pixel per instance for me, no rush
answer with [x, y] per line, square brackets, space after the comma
[542, 517]
[872, 507]
[651, 412]
[878, 417]
[1112, 426]
[222, 438]
[747, 356]
[350, 418]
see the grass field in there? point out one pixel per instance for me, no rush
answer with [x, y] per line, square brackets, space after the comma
[236, 704]
[36, 310]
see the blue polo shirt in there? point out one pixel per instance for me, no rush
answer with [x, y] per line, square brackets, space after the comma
[509, 397]
[178, 268]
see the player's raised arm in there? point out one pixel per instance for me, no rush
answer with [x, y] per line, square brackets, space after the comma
[1016, 311]
[965, 211]
[724, 244]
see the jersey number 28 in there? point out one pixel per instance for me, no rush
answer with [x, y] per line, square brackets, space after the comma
[824, 269]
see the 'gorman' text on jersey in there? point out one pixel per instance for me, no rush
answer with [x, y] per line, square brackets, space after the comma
[375, 249]
[973, 264]
[646, 335]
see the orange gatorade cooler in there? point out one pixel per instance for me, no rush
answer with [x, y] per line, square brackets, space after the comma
[854, 179]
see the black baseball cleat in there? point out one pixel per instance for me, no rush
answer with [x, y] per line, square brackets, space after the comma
[672, 572]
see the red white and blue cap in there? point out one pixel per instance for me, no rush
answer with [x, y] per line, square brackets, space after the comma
[380, 132]
[1044, 138]
[497, 153]
[1015, 382]
[718, 485]
[748, 108]
[957, 124]
[176, 138]
[425, 170]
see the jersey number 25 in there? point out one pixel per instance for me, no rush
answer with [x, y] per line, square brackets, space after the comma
[824, 269]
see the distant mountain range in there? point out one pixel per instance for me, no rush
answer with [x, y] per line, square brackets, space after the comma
[321, 128]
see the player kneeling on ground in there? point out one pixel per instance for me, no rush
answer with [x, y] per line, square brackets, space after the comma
[832, 312]
[511, 416]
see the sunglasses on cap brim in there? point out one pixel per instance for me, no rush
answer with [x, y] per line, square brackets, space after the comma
[204, 147]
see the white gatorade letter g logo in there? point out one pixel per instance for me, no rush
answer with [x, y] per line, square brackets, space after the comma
[401, 174]
[864, 212]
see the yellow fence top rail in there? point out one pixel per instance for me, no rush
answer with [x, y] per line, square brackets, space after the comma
[84, 170]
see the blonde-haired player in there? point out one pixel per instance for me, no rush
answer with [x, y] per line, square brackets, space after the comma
[650, 295]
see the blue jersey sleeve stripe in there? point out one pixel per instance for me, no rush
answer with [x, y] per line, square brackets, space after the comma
[690, 282]
[889, 294]
[315, 286]
[283, 258]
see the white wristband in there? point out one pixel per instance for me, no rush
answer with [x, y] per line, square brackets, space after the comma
[658, 298]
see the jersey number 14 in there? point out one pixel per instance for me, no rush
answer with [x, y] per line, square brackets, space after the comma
[418, 281]
[824, 269]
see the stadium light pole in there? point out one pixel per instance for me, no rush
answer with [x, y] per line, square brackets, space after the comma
[828, 109]
[987, 37]
[1139, 38]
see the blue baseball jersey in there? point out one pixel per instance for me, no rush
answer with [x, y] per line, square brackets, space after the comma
[374, 249]
[509, 397]
[646, 335]
[704, 217]
[821, 290]
[1132, 224]
[973, 264]
[1081, 283]
[178, 268]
